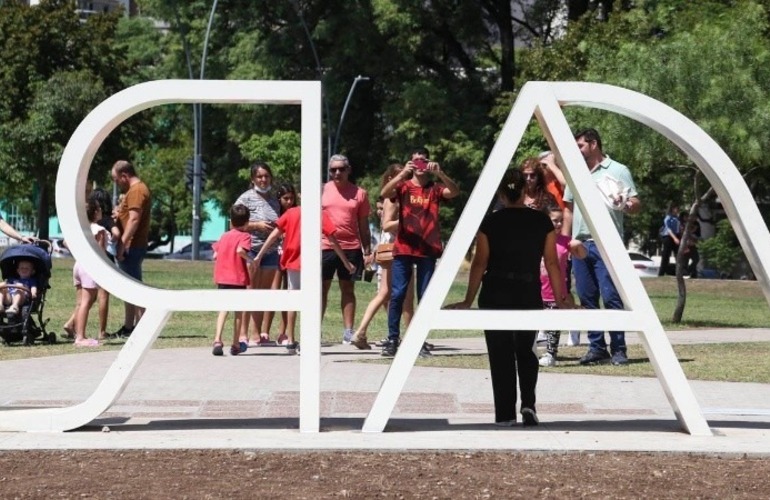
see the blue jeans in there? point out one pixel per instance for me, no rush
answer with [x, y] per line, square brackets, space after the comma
[400, 274]
[592, 280]
[132, 262]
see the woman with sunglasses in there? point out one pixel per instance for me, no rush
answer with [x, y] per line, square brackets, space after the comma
[536, 194]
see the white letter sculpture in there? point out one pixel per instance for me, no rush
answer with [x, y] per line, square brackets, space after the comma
[541, 99]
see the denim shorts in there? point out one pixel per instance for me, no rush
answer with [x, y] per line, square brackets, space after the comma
[269, 261]
[132, 262]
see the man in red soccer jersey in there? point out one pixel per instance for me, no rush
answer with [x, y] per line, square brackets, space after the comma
[418, 241]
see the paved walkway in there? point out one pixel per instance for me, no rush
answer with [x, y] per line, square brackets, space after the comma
[186, 398]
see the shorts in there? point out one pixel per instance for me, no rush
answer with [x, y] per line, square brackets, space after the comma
[293, 280]
[82, 279]
[331, 263]
[269, 261]
[231, 287]
[132, 262]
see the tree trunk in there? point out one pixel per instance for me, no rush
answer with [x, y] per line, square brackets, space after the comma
[681, 264]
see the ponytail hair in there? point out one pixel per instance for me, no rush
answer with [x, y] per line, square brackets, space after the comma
[512, 186]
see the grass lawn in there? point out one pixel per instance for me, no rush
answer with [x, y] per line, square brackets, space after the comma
[736, 362]
[710, 304]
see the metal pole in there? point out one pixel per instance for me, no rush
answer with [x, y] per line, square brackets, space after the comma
[357, 79]
[197, 159]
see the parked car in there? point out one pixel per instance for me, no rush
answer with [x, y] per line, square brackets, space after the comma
[645, 266]
[205, 252]
[58, 249]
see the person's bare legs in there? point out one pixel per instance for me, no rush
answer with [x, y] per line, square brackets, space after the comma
[325, 286]
[262, 279]
[87, 299]
[382, 297]
[291, 321]
[129, 315]
[69, 325]
[238, 322]
[267, 322]
[103, 297]
[348, 303]
[221, 319]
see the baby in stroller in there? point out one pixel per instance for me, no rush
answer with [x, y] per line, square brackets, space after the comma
[26, 271]
[16, 296]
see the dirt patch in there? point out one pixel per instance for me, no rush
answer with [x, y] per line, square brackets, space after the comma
[244, 474]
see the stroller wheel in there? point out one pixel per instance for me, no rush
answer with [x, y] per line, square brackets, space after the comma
[51, 338]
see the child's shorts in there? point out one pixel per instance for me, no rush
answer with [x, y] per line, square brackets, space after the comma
[82, 279]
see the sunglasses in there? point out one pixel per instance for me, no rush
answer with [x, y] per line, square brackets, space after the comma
[529, 176]
[337, 169]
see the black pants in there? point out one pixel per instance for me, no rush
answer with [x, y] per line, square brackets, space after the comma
[669, 247]
[510, 353]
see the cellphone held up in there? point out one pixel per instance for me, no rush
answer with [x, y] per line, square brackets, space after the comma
[420, 164]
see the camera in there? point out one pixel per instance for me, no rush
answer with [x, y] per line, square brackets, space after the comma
[420, 164]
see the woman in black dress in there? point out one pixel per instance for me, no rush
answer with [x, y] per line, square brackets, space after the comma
[510, 245]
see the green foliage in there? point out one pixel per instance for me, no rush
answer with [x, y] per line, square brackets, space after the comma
[281, 151]
[55, 70]
[440, 75]
[723, 250]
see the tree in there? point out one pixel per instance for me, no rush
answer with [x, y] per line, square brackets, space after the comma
[48, 54]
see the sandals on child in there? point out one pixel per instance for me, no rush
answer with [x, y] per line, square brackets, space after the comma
[87, 343]
[217, 350]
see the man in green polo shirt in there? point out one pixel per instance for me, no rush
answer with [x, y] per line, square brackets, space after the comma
[592, 279]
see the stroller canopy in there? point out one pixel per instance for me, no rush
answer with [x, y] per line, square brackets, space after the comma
[33, 253]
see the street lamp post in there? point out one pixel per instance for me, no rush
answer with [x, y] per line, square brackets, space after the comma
[357, 79]
[198, 146]
[320, 73]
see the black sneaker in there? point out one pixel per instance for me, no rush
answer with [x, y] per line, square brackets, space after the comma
[529, 417]
[292, 348]
[122, 333]
[425, 351]
[619, 358]
[595, 357]
[390, 348]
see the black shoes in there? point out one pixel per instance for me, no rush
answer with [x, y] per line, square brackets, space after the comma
[619, 358]
[122, 333]
[529, 417]
[389, 348]
[595, 357]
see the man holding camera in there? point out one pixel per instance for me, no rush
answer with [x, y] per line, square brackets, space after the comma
[418, 241]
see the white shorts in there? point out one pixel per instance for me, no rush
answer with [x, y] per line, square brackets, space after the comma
[293, 279]
[82, 279]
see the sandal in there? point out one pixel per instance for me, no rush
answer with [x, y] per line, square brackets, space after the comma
[361, 342]
[264, 338]
[217, 350]
[69, 332]
[87, 343]
[235, 350]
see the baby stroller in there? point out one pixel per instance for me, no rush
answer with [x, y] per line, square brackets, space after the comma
[28, 324]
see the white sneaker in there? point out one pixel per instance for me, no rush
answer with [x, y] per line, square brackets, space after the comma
[574, 338]
[547, 360]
